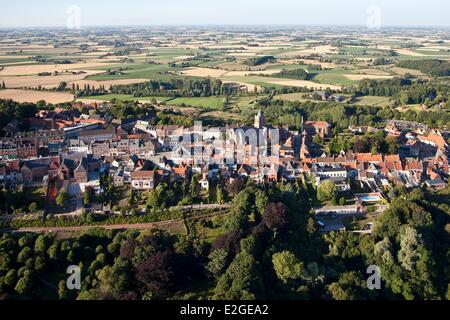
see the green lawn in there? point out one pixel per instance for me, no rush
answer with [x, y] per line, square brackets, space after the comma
[434, 53]
[288, 67]
[138, 71]
[210, 228]
[372, 101]
[14, 60]
[329, 77]
[201, 102]
[334, 76]
[125, 97]
[292, 97]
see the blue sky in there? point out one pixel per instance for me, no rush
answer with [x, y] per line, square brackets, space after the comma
[51, 13]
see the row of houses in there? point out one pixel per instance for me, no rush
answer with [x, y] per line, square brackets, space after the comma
[141, 155]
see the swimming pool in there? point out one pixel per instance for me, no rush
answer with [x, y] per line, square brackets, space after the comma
[370, 198]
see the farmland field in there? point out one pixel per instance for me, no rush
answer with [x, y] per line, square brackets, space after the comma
[207, 102]
[200, 102]
[372, 101]
[247, 62]
[35, 96]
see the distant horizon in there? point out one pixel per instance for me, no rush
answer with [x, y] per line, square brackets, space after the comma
[138, 13]
[362, 26]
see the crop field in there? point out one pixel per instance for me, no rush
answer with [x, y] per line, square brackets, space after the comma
[206, 102]
[246, 60]
[35, 96]
[198, 102]
[123, 97]
[372, 101]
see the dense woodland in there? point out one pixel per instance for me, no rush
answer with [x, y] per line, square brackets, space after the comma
[435, 68]
[299, 74]
[405, 91]
[269, 251]
[259, 60]
[189, 87]
[280, 112]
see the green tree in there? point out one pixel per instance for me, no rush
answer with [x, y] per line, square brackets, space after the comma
[63, 292]
[39, 263]
[62, 86]
[87, 197]
[239, 216]
[287, 267]
[154, 198]
[261, 201]
[41, 243]
[11, 278]
[194, 185]
[311, 227]
[217, 262]
[408, 255]
[350, 286]
[33, 207]
[241, 281]
[24, 285]
[62, 199]
[24, 255]
[53, 252]
[220, 197]
[327, 191]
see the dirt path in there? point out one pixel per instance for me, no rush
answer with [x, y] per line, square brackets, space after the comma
[137, 226]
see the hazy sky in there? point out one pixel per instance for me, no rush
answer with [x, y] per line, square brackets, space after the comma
[51, 13]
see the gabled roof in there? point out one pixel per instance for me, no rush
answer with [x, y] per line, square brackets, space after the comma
[82, 166]
[70, 164]
[394, 157]
[317, 124]
[150, 174]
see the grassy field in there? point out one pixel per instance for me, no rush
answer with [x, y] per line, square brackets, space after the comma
[125, 97]
[333, 78]
[199, 102]
[13, 60]
[291, 97]
[209, 229]
[434, 53]
[138, 71]
[372, 101]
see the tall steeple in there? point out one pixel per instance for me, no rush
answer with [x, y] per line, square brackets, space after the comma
[260, 120]
[304, 150]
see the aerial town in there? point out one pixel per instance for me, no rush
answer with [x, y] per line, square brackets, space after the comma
[214, 163]
[68, 152]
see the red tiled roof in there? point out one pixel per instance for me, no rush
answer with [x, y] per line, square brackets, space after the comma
[318, 124]
[143, 175]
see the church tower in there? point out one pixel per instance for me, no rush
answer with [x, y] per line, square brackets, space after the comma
[260, 120]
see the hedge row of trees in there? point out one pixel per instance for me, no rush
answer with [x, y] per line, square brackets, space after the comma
[405, 91]
[280, 112]
[176, 86]
[435, 68]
